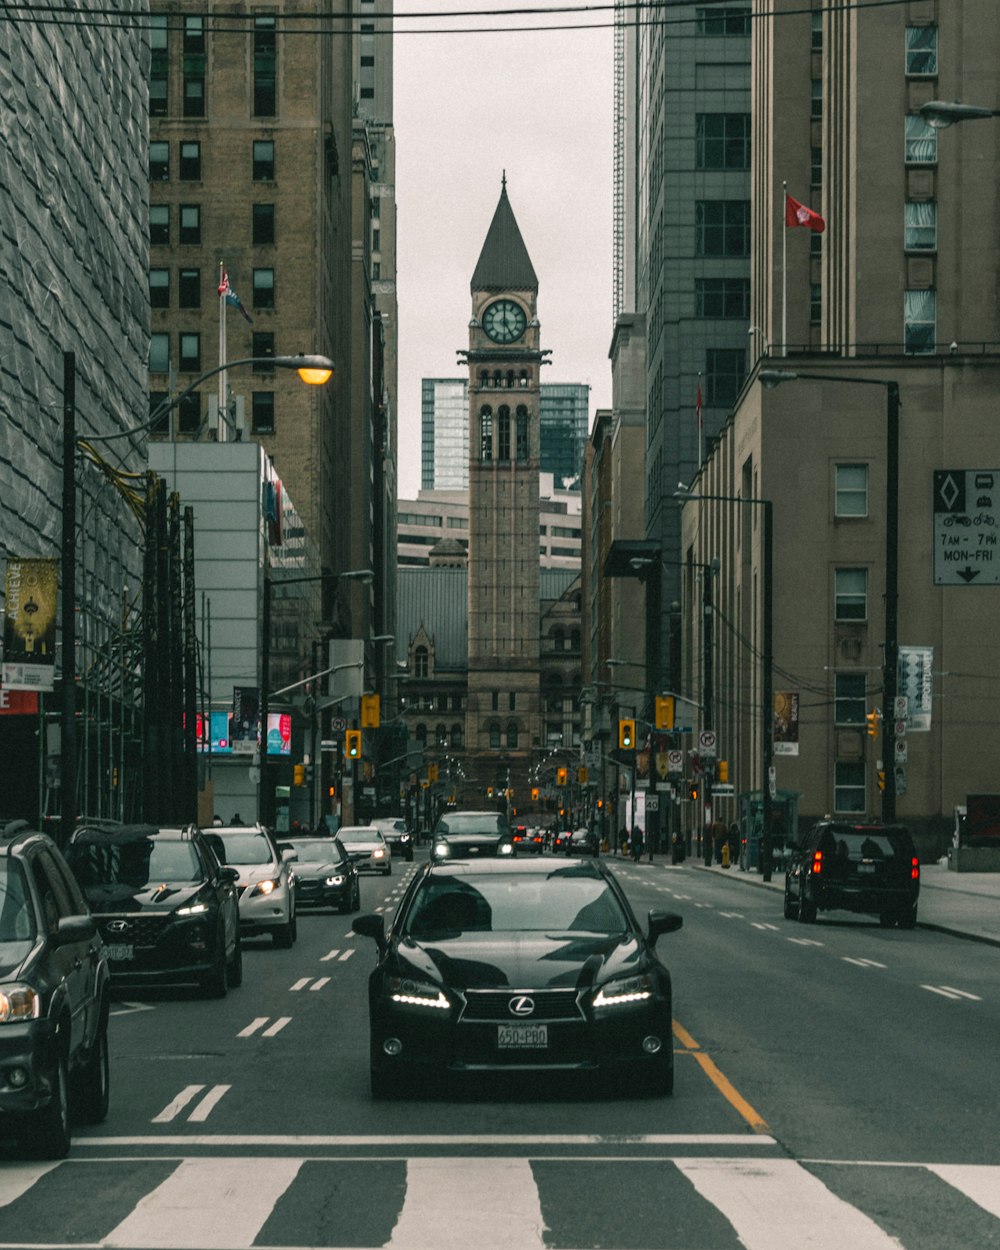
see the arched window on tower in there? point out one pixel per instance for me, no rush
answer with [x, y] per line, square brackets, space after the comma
[523, 450]
[523, 378]
[495, 735]
[484, 378]
[441, 735]
[503, 432]
[420, 733]
[510, 378]
[497, 378]
[486, 432]
[421, 662]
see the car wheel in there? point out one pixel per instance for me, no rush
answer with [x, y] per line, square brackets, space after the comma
[47, 1133]
[790, 908]
[93, 1083]
[234, 971]
[282, 936]
[409, 858]
[806, 908]
[214, 981]
[908, 917]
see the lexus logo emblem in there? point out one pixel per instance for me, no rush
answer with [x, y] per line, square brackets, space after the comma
[118, 926]
[521, 1006]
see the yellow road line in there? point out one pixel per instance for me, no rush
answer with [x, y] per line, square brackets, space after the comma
[721, 1082]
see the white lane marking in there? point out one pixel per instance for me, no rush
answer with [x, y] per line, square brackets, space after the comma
[320, 982]
[506, 1197]
[776, 1204]
[732, 915]
[253, 1026]
[346, 955]
[805, 941]
[18, 1179]
[863, 963]
[949, 991]
[204, 1108]
[511, 1141]
[332, 955]
[176, 1105]
[300, 984]
[708, 905]
[278, 1025]
[756, 924]
[685, 897]
[175, 1215]
[127, 1009]
[977, 1181]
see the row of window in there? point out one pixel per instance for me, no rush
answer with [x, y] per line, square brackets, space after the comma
[189, 351]
[262, 219]
[193, 65]
[442, 736]
[499, 448]
[498, 379]
[189, 414]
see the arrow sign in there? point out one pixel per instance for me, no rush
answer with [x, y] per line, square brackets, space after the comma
[967, 574]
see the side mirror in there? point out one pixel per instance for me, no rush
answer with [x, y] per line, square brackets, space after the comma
[229, 874]
[371, 926]
[663, 922]
[75, 929]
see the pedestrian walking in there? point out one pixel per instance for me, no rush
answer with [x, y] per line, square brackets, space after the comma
[623, 840]
[635, 844]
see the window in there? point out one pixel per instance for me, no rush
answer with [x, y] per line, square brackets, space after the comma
[919, 322]
[159, 64]
[189, 288]
[159, 353]
[263, 223]
[159, 223]
[367, 62]
[367, 93]
[849, 704]
[263, 288]
[722, 297]
[851, 594]
[733, 20]
[816, 168]
[722, 227]
[815, 245]
[815, 303]
[190, 231]
[486, 433]
[511, 701]
[262, 412]
[263, 160]
[817, 30]
[421, 662]
[194, 67]
[725, 369]
[190, 353]
[495, 701]
[512, 734]
[851, 495]
[159, 162]
[920, 226]
[162, 423]
[849, 786]
[921, 141]
[921, 49]
[494, 735]
[262, 345]
[159, 288]
[265, 66]
[722, 140]
[816, 99]
[190, 161]
[457, 735]
[503, 433]
[189, 414]
[522, 433]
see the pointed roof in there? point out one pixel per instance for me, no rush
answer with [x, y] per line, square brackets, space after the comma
[504, 264]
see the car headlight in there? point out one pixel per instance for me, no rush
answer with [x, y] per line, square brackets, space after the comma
[417, 993]
[196, 908]
[264, 887]
[505, 848]
[441, 850]
[625, 991]
[378, 853]
[338, 880]
[404, 837]
[19, 1002]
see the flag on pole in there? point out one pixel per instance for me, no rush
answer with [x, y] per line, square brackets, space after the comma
[797, 214]
[227, 293]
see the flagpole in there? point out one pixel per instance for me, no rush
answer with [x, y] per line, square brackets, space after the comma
[700, 439]
[784, 270]
[220, 428]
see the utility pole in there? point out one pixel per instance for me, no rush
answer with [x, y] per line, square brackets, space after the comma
[708, 695]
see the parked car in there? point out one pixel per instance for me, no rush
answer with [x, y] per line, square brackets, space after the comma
[265, 885]
[464, 835]
[398, 837]
[530, 964]
[583, 842]
[54, 997]
[854, 866]
[325, 876]
[528, 841]
[367, 848]
[165, 907]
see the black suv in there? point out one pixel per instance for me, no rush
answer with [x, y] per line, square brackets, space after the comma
[165, 906]
[54, 997]
[854, 866]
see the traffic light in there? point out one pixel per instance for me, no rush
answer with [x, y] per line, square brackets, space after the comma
[582, 775]
[370, 709]
[600, 805]
[626, 735]
[298, 774]
[665, 711]
[722, 771]
[534, 792]
[693, 791]
[352, 744]
[873, 719]
[881, 778]
[560, 776]
[432, 772]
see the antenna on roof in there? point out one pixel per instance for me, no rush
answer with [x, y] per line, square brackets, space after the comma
[503, 181]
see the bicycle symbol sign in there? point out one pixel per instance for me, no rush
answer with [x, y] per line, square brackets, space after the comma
[966, 504]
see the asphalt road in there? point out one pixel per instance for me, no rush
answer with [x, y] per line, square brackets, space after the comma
[834, 1091]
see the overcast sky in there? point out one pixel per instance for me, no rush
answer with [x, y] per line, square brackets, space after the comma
[538, 104]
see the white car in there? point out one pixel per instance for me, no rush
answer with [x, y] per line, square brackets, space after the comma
[366, 847]
[266, 885]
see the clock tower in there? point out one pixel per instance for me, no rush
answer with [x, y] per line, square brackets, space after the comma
[503, 716]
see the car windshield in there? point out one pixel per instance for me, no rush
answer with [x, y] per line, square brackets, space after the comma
[241, 848]
[134, 863]
[469, 822]
[558, 901]
[17, 918]
[359, 835]
[315, 850]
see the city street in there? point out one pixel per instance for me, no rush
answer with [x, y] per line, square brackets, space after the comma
[833, 1091]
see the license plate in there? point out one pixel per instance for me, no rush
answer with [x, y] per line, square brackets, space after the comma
[522, 1036]
[866, 867]
[119, 950]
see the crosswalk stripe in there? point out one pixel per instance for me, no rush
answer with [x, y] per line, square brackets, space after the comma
[979, 1182]
[506, 1198]
[775, 1204]
[332, 955]
[175, 1215]
[17, 1180]
[319, 983]
[278, 1025]
[253, 1026]
[346, 955]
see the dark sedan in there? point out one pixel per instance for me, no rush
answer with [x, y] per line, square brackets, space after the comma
[324, 874]
[528, 841]
[468, 835]
[526, 965]
[583, 842]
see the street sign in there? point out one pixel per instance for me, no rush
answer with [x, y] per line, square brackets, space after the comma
[652, 802]
[900, 751]
[900, 707]
[706, 743]
[338, 724]
[966, 505]
[675, 761]
[723, 790]
[900, 727]
[900, 771]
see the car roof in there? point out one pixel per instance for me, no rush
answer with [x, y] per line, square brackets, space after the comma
[115, 833]
[369, 829]
[16, 835]
[224, 829]
[532, 866]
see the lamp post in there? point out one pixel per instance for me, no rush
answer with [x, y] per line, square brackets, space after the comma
[767, 662]
[890, 646]
[943, 113]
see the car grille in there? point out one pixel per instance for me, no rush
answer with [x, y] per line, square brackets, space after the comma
[142, 930]
[493, 1005]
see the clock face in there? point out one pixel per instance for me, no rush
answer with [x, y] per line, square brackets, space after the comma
[504, 321]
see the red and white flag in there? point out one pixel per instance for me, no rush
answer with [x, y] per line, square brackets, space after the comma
[797, 214]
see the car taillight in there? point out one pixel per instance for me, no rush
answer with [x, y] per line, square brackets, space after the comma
[914, 869]
[817, 864]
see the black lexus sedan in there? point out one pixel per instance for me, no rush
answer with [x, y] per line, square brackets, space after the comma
[165, 907]
[525, 965]
[325, 876]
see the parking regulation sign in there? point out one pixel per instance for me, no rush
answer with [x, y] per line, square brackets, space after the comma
[966, 505]
[706, 743]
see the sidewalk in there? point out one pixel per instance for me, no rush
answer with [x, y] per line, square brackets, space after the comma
[965, 904]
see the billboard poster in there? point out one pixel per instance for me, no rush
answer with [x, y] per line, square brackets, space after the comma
[29, 625]
[245, 725]
[18, 702]
[642, 770]
[915, 680]
[786, 722]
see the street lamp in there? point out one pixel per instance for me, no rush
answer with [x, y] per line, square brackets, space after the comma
[890, 648]
[942, 113]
